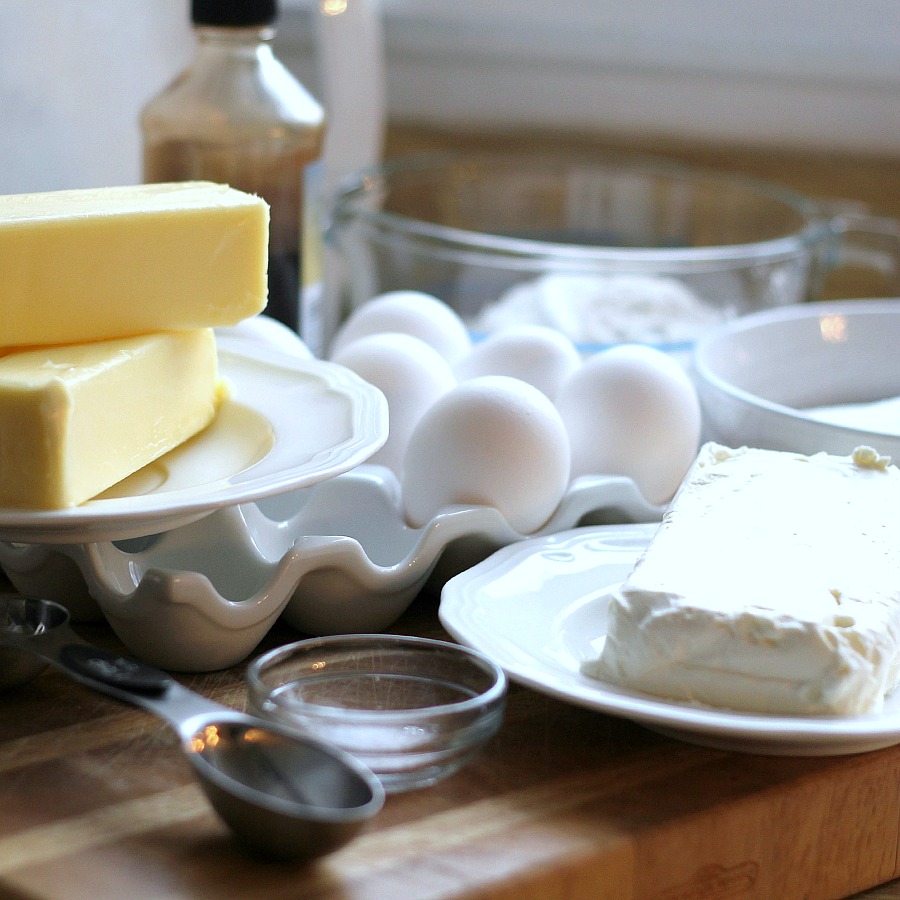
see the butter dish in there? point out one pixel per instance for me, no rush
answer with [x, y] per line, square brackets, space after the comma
[288, 422]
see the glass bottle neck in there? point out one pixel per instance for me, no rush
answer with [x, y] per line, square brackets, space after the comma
[217, 39]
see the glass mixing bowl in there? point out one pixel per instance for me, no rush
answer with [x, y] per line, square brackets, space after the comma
[604, 249]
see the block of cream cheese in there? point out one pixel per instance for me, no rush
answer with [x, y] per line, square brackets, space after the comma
[74, 420]
[86, 265]
[772, 585]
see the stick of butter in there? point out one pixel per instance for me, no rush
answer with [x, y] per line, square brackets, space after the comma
[86, 265]
[75, 420]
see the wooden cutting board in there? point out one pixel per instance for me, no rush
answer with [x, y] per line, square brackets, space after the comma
[564, 803]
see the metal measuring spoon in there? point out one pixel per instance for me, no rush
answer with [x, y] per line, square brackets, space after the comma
[284, 796]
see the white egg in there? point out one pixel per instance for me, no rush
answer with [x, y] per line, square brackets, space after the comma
[411, 374]
[537, 354]
[408, 312]
[632, 410]
[268, 332]
[493, 441]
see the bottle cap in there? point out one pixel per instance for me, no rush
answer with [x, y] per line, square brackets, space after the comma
[235, 13]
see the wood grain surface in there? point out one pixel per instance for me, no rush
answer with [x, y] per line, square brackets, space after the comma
[96, 801]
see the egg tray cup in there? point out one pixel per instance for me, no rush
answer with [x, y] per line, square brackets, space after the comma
[334, 558]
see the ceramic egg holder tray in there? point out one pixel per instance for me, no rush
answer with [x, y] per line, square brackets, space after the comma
[335, 557]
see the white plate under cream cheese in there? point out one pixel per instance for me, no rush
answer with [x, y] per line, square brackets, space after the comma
[539, 608]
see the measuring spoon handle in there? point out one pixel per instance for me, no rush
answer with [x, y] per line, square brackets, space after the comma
[119, 676]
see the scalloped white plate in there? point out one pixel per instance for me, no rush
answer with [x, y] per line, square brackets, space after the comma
[289, 423]
[539, 610]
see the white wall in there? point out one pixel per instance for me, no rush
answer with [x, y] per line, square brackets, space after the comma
[73, 77]
[822, 73]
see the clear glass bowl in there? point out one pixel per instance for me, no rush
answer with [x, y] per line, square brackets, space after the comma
[413, 710]
[606, 249]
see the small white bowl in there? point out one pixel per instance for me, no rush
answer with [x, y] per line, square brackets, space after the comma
[764, 378]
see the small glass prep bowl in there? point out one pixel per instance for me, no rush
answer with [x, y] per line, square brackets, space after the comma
[413, 710]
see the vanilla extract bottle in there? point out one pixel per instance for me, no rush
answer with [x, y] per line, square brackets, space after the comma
[238, 116]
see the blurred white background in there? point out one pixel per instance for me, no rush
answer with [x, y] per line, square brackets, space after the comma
[804, 73]
[73, 77]
[822, 73]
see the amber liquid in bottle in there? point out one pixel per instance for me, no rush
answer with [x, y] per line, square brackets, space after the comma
[238, 117]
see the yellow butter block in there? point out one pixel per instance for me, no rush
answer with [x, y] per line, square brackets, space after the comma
[77, 419]
[87, 265]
